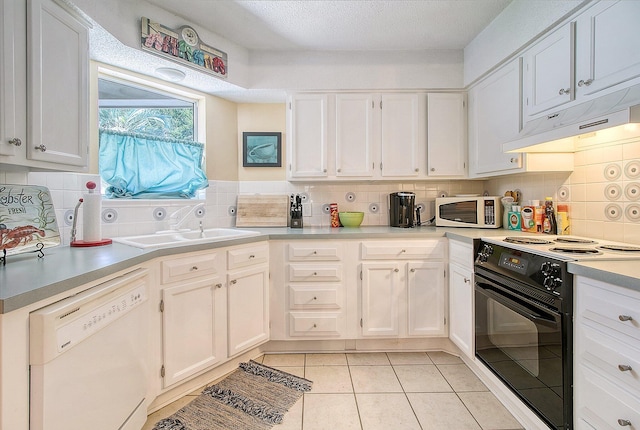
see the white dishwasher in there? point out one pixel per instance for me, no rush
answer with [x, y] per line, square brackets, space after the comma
[88, 357]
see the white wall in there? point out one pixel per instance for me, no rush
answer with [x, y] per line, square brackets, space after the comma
[517, 25]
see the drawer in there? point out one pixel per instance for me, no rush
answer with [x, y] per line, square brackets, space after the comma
[315, 325]
[461, 254]
[403, 250]
[314, 273]
[611, 306]
[243, 257]
[312, 297]
[193, 266]
[605, 352]
[314, 252]
[602, 404]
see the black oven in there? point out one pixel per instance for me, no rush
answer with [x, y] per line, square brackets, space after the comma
[523, 323]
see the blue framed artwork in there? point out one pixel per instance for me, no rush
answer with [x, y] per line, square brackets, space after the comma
[261, 149]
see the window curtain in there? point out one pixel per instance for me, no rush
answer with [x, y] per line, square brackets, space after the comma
[144, 166]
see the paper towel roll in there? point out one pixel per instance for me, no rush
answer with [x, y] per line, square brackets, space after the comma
[91, 221]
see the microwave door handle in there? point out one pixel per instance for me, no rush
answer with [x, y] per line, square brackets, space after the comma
[516, 307]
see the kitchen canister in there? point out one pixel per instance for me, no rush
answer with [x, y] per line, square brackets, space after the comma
[333, 210]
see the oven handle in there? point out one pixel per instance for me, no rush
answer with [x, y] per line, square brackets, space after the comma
[516, 307]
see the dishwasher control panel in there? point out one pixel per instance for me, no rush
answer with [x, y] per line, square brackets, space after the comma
[90, 322]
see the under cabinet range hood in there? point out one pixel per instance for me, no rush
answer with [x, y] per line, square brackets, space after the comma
[612, 118]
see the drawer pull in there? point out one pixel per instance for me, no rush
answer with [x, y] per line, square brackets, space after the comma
[315, 252]
[624, 367]
[315, 273]
[194, 268]
[466, 280]
[233, 282]
[413, 270]
[315, 298]
[624, 423]
[404, 250]
[314, 326]
[396, 270]
[218, 285]
[252, 256]
[625, 318]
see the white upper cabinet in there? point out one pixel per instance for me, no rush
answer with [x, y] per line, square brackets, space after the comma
[44, 87]
[607, 42]
[494, 118]
[355, 134]
[548, 67]
[308, 131]
[402, 147]
[446, 134]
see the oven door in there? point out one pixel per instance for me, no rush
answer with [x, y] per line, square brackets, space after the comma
[522, 343]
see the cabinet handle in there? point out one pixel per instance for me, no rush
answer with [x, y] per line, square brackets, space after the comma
[324, 170]
[218, 285]
[315, 298]
[315, 252]
[41, 148]
[585, 83]
[513, 160]
[194, 268]
[252, 256]
[413, 270]
[416, 170]
[233, 282]
[624, 423]
[404, 250]
[625, 318]
[624, 367]
[339, 170]
[15, 141]
[433, 169]
[314, 326]
[396, 270]
[315, 273]
[467, 280]
[563, 91]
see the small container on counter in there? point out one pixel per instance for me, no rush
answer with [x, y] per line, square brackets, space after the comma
[514, 218]
[564, 227]
[335, 219]
[528, 219]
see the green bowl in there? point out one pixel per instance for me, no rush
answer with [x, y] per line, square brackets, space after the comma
[351, 219]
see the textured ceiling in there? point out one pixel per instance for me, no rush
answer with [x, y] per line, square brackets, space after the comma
[345, 25]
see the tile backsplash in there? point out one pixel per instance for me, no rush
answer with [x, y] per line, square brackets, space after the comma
[603, 195]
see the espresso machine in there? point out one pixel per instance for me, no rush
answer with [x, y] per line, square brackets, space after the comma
[402, 209]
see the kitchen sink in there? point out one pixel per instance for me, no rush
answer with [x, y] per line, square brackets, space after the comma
[182, 238]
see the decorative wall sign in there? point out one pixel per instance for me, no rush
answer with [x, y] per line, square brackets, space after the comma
[183, 46]
[27, 219]
[261, 149]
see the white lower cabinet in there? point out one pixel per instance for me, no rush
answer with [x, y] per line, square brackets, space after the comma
[400, 298]
[214, 305]
[607, 356]
[248, 311]
[461, 304]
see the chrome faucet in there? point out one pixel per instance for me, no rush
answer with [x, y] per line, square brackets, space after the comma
[176, 219]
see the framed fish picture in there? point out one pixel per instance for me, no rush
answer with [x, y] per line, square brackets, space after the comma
[27, 219]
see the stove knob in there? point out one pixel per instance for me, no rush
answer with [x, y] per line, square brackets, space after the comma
[545, 268]
[551, 283]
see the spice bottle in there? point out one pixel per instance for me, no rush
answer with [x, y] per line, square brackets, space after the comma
[564, 226]
[549, 225]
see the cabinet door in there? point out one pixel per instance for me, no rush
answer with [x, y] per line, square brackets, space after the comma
[12, 77]
[193, 328]
[446, 136]
[381, 289]
[401, 152]
[461, 323]
[425, 301]
[494, 118]
[58, 96]
[607, 46]
[308, 125]
[548, 73]
[354, 135]
[248, 308]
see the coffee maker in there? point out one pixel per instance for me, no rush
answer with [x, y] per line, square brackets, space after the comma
[401, 209]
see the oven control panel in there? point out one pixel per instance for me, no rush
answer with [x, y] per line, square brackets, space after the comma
[513, 263]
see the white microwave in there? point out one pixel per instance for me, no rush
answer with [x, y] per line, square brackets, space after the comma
[469, 211]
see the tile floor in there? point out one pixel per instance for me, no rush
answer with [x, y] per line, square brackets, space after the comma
[371, 391]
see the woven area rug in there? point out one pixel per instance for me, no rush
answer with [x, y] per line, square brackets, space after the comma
[253, 397]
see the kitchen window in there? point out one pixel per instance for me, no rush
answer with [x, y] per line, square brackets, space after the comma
[146, 146]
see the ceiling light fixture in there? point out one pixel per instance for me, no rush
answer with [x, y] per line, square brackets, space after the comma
[169, 74]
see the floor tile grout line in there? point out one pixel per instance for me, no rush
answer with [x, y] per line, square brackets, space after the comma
[406, 396]
[355, 398]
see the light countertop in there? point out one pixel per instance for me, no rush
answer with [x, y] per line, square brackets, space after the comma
[622, 273]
